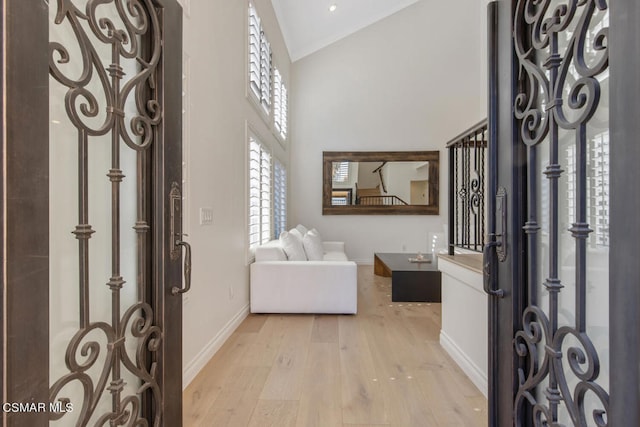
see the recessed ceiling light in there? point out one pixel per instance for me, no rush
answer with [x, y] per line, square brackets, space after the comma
[333, 7]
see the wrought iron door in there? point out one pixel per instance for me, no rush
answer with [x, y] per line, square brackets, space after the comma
[548, 260]
[110, 314]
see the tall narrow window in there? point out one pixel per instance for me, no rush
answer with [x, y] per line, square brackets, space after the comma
[260, 74]
[265, 73]
[279, 104]
[340, 172]
[597, 187]
[259, 193]
[279, 198]
[254, 52]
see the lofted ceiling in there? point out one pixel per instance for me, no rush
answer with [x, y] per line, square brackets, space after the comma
[308, 25]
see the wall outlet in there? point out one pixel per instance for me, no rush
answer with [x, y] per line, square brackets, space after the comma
[206, 216]
[231, 293]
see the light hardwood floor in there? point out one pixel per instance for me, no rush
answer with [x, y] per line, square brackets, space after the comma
[381, 367]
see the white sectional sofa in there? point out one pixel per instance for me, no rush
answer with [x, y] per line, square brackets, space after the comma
[279, 284]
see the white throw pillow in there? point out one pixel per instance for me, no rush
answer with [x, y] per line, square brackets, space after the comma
[317, 233]
[313, 246]
[292, 247]
[302, 229]
[296, 233]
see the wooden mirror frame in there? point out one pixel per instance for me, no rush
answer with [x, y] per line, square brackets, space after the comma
[433, 157]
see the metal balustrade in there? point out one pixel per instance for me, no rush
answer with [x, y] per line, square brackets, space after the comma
[381, 201]
[467, 188]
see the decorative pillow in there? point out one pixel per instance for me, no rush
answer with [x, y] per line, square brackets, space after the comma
[297, 234]
[292, 247]
[313, 246]
[317, 233]
[302, 229]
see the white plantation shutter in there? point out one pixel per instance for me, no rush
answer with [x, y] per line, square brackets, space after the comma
[265, 196]
[265, 73]
[277, 98]
[279, 198]
[598, 185]
[254, 52]
[260, 73]
[284, 122]
[259, 193]
[340, 172]
[279, 104]
[254, 193]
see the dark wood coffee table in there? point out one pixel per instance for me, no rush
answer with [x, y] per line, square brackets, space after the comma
[411, 282]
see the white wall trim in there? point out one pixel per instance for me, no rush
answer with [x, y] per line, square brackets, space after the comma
[192, 368]
[472, 370]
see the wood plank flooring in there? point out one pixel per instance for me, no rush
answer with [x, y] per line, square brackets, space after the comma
[381, 367]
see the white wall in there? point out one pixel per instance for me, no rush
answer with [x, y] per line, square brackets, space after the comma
[400, 175]
[409, 82]
[217, 110]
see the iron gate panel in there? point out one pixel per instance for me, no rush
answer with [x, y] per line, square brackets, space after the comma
[129, 342]
[562, 53]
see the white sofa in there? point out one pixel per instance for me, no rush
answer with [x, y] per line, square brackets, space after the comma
[279, 285]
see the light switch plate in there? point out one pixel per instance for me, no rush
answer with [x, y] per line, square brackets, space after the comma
[206, 216]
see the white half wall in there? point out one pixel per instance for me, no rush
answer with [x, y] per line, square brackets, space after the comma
[465, 334]
[409, 82]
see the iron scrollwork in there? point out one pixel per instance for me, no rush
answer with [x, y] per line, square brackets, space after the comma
[561, 57]
[542, 99]
[129, 30]
[125, 44]
[468, 186]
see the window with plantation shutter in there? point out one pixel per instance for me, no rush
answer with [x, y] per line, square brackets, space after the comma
[259, 193]
[265, 73]
[279, 198]
[279, 104]
[597, 189]
[254, 52]
[260, 73]
[340, 172]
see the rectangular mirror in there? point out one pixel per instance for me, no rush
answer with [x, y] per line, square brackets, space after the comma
[380, 182]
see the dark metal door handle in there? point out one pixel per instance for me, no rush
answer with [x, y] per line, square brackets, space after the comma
[488, 254]
[187, 269]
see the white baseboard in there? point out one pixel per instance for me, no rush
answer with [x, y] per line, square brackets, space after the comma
[192, 368]
[475, 374]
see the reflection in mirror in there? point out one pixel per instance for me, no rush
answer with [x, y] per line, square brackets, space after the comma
[380, 183]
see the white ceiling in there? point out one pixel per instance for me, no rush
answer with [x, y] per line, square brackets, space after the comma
[308, 25]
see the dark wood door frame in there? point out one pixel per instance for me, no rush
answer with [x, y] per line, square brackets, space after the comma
[506, 172]
[624, 274]
[169, 162]
[25, 210]
[25, 178]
